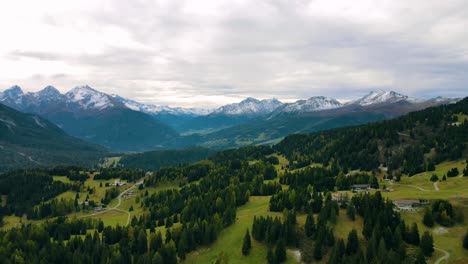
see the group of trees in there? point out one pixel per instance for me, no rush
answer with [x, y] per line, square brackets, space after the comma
[441, 212]
[276, 234]
[25, 189]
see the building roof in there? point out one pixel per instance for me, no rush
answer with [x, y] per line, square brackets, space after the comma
[406, 202]
[361, 185]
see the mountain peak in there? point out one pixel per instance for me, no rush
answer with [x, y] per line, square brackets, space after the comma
[89, 98]
[380, 96]
[250, 100]
[13, 91]
[315, 103]
[49, 91]
[250, 106]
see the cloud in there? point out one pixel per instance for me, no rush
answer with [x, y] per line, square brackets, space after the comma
[207, 53]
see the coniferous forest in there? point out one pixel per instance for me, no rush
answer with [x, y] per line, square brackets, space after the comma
[204, 197]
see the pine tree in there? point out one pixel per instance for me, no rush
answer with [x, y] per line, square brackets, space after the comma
[351, 212]
[427, 244]
[247, 244]
[353, 243]
[465, 241]
[280, 252]
[420, 258]
[309, 225]
[318, 250]
[414, 235]
[428, 220]
[270, 256]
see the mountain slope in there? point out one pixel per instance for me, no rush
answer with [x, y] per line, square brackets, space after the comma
[94, 116]
[318, 113]
[230, 115]
[116, 128]
[28, 140]
[407, 144]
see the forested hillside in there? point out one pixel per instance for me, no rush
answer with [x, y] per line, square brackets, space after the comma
[153, 160]
[289, 203]
[28, 140]
[408, 144]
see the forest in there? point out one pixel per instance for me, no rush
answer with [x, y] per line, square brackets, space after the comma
[208, 193]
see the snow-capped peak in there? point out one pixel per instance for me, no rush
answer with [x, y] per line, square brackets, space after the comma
[250, 106]
[88, 98]
[13, 91]
[158, 109]
[48, 91]
[380, 96]
[312, 104]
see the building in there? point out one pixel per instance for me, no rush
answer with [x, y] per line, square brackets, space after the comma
[360, 187]
[118, 183]
[407, 205]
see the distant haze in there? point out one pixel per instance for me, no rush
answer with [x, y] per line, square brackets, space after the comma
[210, 53]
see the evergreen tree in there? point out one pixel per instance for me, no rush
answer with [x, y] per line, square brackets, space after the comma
[465, 241]
[427, 244]
[270, 256]
[420, 259]
[157, 259]
[413, 236]
[247, 244]
[280, 252]
[351, 212]
[318, 250]
[309, 225]
[428, 220]
[353, 243]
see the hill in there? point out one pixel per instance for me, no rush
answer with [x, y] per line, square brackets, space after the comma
[153, 160]
[28, 140]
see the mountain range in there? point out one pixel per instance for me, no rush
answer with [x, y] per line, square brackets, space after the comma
[123, 124]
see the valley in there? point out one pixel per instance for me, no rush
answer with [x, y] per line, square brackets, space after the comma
[398, 190]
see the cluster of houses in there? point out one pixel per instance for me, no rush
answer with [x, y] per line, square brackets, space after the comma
[98, 209]
[127, 195]
[118, 183]
[360, 187]
[409, 205]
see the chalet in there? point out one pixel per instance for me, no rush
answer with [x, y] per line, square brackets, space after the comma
[118, 183]
[360, 187]
[98, 209]
[407, 205]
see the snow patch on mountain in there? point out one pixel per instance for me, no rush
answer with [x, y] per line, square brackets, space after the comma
[312, 104]
[88, 98]
[380, 96]
[160, 109]
[250, 106]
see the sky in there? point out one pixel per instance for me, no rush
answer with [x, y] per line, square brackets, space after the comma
[209, 53]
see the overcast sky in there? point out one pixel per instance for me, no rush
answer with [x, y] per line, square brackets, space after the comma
[208, 53]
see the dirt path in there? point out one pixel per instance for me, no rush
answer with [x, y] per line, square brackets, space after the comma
[436, 187]
[116, 207]
[445, 257]
[419, 188]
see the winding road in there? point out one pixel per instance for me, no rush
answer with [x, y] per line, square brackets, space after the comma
[116, 207]
[445, 257]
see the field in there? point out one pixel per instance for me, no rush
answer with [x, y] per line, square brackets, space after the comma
[230, 239]
[455, 190]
